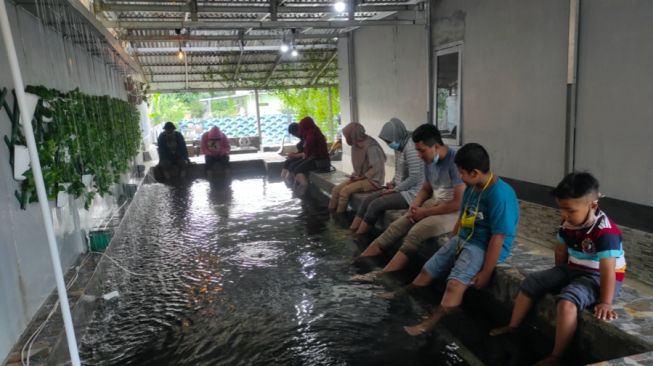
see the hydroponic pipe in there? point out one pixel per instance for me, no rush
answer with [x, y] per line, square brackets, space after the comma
[38, 178]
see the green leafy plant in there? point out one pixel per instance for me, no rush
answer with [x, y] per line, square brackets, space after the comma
[312, 102]
[78, 134]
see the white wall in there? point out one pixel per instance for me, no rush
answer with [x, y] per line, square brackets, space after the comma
[615, 94]
[514, 88]
[26, 277]
[513, 81]
[391, 69]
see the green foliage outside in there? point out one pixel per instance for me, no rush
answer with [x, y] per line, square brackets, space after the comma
[299, 102]
[78, 134]
[227, 107]
[312, 102]
[442, 95]
[176, 106]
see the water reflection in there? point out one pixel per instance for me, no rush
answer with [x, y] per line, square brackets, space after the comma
[238, 273]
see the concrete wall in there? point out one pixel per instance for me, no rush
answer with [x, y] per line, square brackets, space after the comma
[514, 65]
[391, 69]
[513, 81]
[26, 277]
[615, 94]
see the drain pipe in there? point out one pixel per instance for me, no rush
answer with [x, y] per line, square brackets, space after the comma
[351, 68]
[26, 122]
[572, 86]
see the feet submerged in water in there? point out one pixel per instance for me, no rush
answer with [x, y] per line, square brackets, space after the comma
[415, 330]
[367, 277]
[502, 330]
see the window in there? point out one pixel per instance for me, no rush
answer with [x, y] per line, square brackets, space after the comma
[447, 93]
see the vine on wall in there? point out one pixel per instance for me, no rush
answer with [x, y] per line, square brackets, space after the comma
[76, 135]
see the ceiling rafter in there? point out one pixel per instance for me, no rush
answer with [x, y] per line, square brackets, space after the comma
[323, 68]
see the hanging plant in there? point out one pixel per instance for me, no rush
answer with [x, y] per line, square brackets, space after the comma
[78, 136]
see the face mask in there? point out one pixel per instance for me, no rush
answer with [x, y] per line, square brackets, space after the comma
[394, 145]
[436, 157]
[589, 222]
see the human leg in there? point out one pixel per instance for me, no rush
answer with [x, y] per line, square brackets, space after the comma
[426, 228]
[465, 267]
[363, 209]
[346, 192]
[532, 288]
[451, 301]
[392, 201]
[335, 194]
[398, 228]
[302, 184]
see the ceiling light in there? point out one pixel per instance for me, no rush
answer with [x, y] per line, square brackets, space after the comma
[284, 48]
[294, 53]
[340, 6]
[180, 54]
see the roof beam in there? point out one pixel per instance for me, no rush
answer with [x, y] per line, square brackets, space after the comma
[193, 10]
[220, 71]
[235, 37]
[208, 89]
[323, 68]
[144, 51]
[259, 63]
[242, 43]
[205, 24]
[264, 82]
[284, 9]
[274, 68]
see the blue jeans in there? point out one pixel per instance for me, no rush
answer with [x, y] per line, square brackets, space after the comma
[462, 267]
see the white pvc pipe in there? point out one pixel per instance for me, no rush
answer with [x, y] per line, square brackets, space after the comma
[40, 185]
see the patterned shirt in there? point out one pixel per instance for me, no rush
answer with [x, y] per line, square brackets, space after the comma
[586, 247]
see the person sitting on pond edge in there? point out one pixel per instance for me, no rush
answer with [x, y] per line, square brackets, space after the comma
[215, 147]
[171, 147]
[368, 161]
[482, 236]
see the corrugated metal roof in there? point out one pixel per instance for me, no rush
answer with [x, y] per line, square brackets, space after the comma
[236, 44]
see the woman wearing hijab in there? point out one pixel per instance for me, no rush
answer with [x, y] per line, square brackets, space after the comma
[401, 190]
[316, 154]
[293, 158]
[215, 147]
[368, 160]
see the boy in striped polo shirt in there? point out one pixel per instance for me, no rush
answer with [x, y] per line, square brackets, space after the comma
[589, 264]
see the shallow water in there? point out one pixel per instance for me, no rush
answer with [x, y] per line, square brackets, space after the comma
[242, 273]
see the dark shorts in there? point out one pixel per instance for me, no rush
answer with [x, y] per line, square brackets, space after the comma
[577, 286]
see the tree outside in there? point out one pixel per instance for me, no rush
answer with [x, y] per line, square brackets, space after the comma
[313, 102]
[300, 103]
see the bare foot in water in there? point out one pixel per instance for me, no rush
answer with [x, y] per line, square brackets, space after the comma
[415, 330]
[387, 295]
[502, 330]
[367, 277]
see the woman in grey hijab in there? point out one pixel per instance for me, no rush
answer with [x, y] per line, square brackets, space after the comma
[401, 190]
[368, 160]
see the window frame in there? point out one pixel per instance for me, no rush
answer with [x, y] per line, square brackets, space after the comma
[446, 49]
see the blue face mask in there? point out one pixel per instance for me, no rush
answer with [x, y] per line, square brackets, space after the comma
[394, 145]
